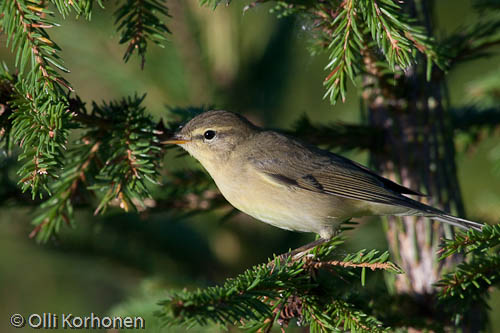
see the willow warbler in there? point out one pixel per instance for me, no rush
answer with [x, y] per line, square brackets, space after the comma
[290, 184]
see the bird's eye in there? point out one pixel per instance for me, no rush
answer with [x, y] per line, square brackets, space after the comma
[209, 135]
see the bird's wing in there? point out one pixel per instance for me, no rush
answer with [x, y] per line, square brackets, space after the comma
[293, 164]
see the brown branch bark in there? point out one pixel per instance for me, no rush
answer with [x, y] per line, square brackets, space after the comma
[372, 266]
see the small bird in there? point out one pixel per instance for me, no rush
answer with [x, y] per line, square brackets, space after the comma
[290, 184]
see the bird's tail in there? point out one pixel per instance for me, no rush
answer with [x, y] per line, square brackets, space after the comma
[441, 216]
[457, 222]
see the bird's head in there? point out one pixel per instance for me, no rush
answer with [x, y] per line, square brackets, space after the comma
[212, 136]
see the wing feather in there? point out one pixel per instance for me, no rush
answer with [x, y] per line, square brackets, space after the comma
[294, 164]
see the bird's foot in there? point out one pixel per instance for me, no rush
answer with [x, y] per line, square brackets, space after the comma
[301, 251]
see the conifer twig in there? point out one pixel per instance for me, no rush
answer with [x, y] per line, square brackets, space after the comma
[373, 266]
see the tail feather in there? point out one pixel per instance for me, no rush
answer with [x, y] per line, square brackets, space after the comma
[441, 216]
[457, 222]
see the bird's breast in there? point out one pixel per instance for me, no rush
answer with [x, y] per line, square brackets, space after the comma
[284, 207]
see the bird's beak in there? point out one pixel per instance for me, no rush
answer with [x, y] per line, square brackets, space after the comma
[175, 140]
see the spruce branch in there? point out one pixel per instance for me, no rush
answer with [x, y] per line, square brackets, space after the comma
[471, 280]
[466, 290]
[349, 29]
[39, 120]
[130, 154]
[140, 22]
[25, 23]
[372, 266]
[338, 316]
[472, 42]
[115, 159]
[81, 7]
[472, 241]
[60, 207]
[403, 36]
[40, 126]
[469, 285]
[242, 298]
[344, 58]
[282, 290]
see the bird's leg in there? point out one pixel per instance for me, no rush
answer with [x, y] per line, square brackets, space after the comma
[301, 251]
